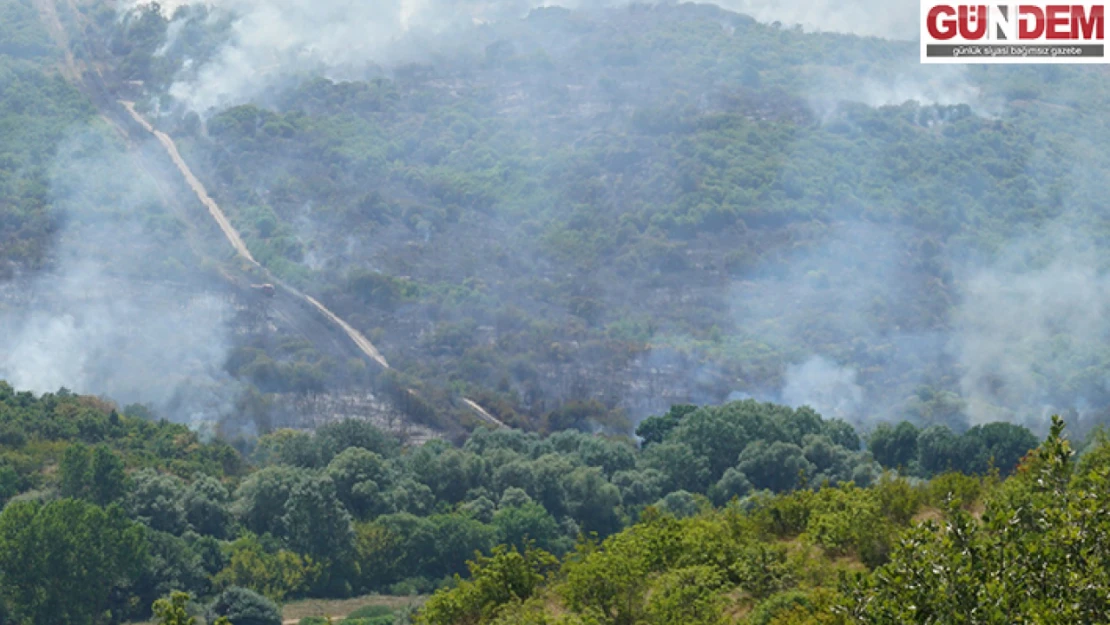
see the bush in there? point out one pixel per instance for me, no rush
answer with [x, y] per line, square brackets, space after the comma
[412, 586]
[963, 488]
[787, 601]
[244, 607]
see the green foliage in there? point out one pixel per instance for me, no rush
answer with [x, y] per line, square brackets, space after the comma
[371, 611]
[345, 510]
[173, 611]
[242, 606]
[60, 562]
[894, 447]
[1031, 558]
[506, 576]
[687, 596]
[655, 429]
[276, 575]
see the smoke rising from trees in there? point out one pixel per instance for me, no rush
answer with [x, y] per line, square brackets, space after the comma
[119, 314]
[270, 41]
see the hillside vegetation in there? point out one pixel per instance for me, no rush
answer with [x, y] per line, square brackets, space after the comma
[770, 350]
[1029, 549]
[347, 510]
[671, 201]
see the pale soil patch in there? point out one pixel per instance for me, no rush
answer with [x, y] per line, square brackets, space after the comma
[337, 609]
[294, 611]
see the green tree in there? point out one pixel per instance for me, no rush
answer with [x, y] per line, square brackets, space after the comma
[776, 466]
[260, 499]
[276, 575]
[505, 576]
[894, 447]
[108, 480]
[60, 562]
[359, 476]
[241, 606]
[656, 429]
[1003, 444]
[172, 611]
[519, 525]
[206, 504]
[156, 500]
[592, 501]
[76, 471]
[687, 596]
[316, 524]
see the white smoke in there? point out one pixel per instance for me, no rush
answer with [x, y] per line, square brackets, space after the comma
[1032, 327]
[829, 389]
[945, 85]
[106, 319]
[889, 19]
[274, 39]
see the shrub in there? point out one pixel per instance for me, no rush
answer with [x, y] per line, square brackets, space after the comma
[787, 601]
[963, 488]
[244, 607]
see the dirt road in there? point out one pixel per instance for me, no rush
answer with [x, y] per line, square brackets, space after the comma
[49, 14]
[363, 344]
[202, 194]
[483, 413]
[236, 241]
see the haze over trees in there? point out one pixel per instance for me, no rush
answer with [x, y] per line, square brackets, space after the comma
[569, 216]
[770, 351]
[348, 510]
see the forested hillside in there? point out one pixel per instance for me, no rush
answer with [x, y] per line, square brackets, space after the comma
[348, 509]
[772, 323]
[580, 218]
[37, 110]
[656, 204]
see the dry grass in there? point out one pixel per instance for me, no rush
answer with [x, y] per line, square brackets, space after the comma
[294, 611]
[927, 513]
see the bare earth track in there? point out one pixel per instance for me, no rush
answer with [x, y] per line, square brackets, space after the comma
[364, 345]
[213, 209]
[99, 94]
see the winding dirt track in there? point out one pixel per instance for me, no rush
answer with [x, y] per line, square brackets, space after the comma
[236, 241]
[482, 412]
[360, 341]
[202, 194]
[49, 14]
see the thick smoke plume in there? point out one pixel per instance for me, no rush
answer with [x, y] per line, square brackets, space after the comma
[1023, 340]
[822, 385]
[272, 40]
[889, 19]
[1030, 329]
[1015, 341]
[120, 314]
[849, 298]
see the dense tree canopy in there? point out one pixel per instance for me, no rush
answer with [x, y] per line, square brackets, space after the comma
[838, 555]
[348, 509]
